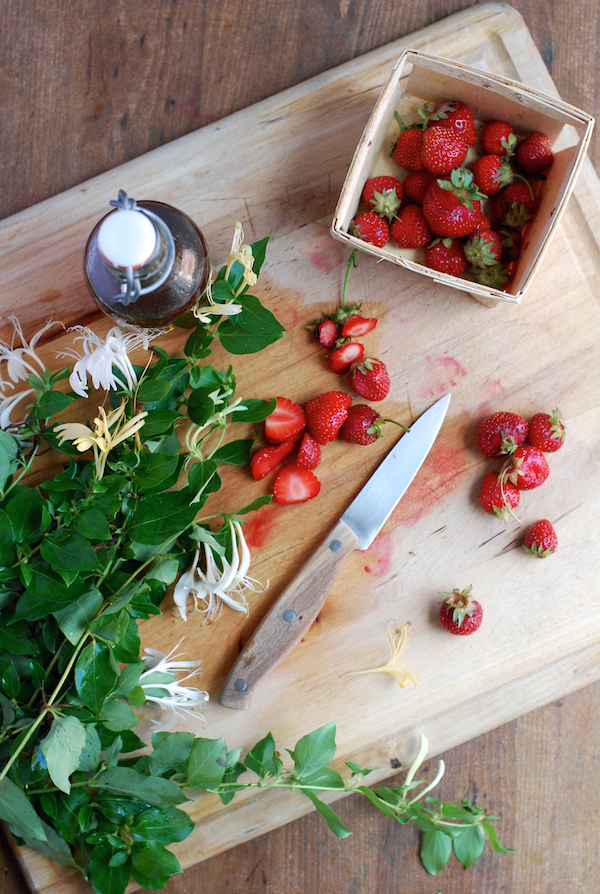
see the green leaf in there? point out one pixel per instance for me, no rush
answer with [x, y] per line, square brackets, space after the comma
[436, 848]
[157, 471]
[28, 514]
[89, 759]
[16, 810]
[94, 676]
[14, 638]
[74, 620]
[329, 815]
[164, 570]
[324, 778]
[62, 749]
[46, 592]
[117, 716]
[377, 802]
[153, 391]
[163, 517]
[52, 402]
[162, 826]
[8, 540]
[257, 319]
[258, 503]
[469, 845]
[236, 453]
[157, 422]
[8, 457]
[154, 861]
[254, 410]
[170, 750]
[68, 551]
[489, 828]
[198, 344]
[93, 525]
[152, 790]
[238, 340]
[201, 406]
[314, 751]
[107, 879]
[203, 480]
[53, 846]
[263, 759]
[207, 763]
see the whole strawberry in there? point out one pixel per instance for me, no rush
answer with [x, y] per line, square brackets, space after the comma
[326, 414]
[408, 151]
[370, 379]
[540, 540]
[410, 229]
[501, 433]
[416, 185]
[534, 155]
[370, 227]
[498, 138]
[452, 207]
[498, 496]
[527, 467]
[383, 195]
[459, 614]
[513, 206]
[483, 249]
[363, 425]
[454, 115]
[492, 173]
[547, 431]
[443, 150]
[446, 256]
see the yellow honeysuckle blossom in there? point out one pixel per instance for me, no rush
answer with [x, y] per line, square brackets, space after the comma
[101, 439]
[395, 640]
[242, 252]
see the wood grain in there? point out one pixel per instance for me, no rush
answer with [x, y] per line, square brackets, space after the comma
[89, 90]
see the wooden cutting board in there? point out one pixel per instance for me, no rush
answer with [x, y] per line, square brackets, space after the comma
[278, 167]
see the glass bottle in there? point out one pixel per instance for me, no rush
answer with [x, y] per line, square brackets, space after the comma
[146, 263]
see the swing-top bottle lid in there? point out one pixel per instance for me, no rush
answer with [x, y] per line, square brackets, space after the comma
[127, 238]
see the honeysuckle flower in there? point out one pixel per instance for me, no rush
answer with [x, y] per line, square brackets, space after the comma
[21, 361]
[242, 252]
[101, 439]
[7, 405]
[105, 360]
[223, 308]
[396, 640]
[196, 433]
[221, 583]
[161, 688]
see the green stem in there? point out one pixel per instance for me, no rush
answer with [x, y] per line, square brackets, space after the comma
[352, 262]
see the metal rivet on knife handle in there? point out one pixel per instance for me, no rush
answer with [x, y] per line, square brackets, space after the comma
[240, 685]
[335, 546]
[289, 615]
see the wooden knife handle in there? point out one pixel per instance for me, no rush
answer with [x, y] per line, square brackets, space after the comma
[289, 618]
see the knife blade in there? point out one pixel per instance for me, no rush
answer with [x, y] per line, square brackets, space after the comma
[294, 611]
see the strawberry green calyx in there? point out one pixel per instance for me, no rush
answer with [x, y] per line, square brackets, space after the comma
[495, 276]
[461, 604]
[481, 252]
[385, 203]
[517, 216]
[404, 126]
[462, 184]
[557, 424]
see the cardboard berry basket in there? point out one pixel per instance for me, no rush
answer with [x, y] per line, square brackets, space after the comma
[418, 78]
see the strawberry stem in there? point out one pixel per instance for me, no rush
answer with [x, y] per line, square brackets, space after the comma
[352, 262]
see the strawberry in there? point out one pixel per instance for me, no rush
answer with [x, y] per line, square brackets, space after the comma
[498, 138]
[383, 195]
[327, 332]
[492, 173]
[268, 458]
[370, 379]
[416, 185]
[355, 326]
[446, 256]
[360, 426]
[501, 433]
[286, 422]
[547, 431]
[343, 357]
[527, 467]
[512, 241]
[534, 155]
[370, 227]
[513, 206]
[499, 497]
[326, 414]
[309, 454]
[410, 229]
[460, 614]
[443, 150]
[408, 151]
[455, 116]
[483, 249]
[540, 540]
[452, 207]
[294, 485]
[495, 275]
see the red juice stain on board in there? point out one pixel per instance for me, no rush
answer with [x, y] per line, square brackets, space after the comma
[258, 529]
[325, 254]
[380, 556]
[442, 472]
[441, 373]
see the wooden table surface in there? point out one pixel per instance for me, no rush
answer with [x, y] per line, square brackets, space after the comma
[89, 86]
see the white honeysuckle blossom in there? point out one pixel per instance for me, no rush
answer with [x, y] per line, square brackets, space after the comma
[194, 434]
[242, 252]
[217, 586]
[102, 356]
[7, 405]
[101, 439]
[222, 309]
[21, 362]
[158, 681]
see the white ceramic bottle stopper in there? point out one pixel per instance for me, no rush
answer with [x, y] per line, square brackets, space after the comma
[127, 239]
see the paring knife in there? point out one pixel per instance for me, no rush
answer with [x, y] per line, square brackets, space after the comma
[294, 611]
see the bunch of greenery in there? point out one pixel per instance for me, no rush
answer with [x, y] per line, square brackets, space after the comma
[88, 554]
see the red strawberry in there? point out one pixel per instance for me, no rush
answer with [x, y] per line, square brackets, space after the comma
[499, 497]
[355, 326]
[327, 333]
[498, 138]
[359, 427]
[455, 116]
[309, 454]
[343, 357]
[443, 150]
[452, 207]
[512, 241]
[547, 431]
[371, 379]
[540, 540]
[501, 433]
[383, 195]
[294, 485]
[527, 467]
[416, 185]
[492, 173]
[483, 249]
[534, 155]
[446, 256]
[410, 229]
[370, 227]
[408, 151]
[268, 458]
[513, 206]
[495, 275]
[286, 422]
[460, 614]
[326, 414]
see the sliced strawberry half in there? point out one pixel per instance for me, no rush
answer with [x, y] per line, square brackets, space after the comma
[327, 333]
[268, 458]
[341, 360]
[294, 485]
[286, 422]
[309, 454]
[355, 326]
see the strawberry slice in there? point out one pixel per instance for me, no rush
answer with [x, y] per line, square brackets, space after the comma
[327, 333]
[294, 485]
[286, 422]
[309, 455]
[355, 326]
[342, 358]
[268, 458]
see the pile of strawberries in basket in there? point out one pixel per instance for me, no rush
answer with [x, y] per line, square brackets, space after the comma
[468, 216]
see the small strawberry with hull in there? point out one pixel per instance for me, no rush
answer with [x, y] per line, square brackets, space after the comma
[410, 229]
[534, 154]
[370, 227]
[295, 485]
[443, 150]
[341, 360]
[383, 195]
[459, 614]
[498, 138]
[363, 425]
[265, 460]
[455, 116]
[484, 249]
[498, 496]
[452, 207]
[371, 379]
[501, 433]
[547, 431]
[408, 151]
[540, 540]
[527, 467]
[514, 205]
[326, 414]
[286, 422]
[416, 185]
[446, 256]
[492, 173]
